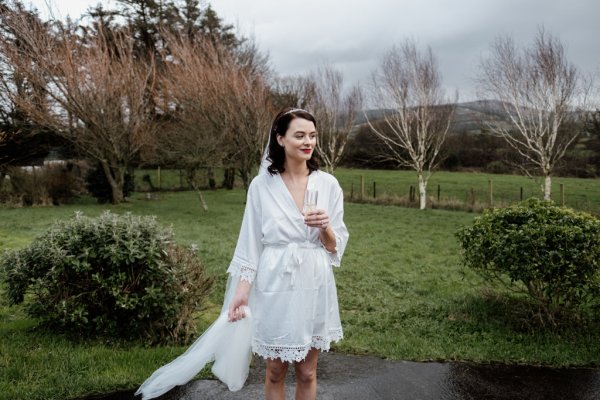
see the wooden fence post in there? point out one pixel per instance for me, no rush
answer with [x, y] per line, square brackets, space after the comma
[374, 190]
[362, 187]
[439, 192]
[351, 190]
[521, 197]
[158, 177]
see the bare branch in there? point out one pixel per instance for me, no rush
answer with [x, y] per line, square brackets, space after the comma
[540, 91]
[417, 116]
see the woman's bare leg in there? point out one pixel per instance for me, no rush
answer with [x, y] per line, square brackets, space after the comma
[306, 376]
[275, 379]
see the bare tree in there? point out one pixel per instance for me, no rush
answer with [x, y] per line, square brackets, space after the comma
[539, 91]
[17, 132]
[221, 102]
[195, 138]
[335, 112]
[243, 100]
[407, 85]
[95, 93]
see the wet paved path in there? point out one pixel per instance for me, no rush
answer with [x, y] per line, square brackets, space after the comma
[346, 377]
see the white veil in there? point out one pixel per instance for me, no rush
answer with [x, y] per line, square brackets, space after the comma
[226, 343]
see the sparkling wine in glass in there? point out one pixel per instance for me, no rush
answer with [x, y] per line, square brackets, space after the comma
[310, 204]
[310, 200]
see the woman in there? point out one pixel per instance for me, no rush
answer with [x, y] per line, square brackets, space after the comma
[281, 270]
[284, 258]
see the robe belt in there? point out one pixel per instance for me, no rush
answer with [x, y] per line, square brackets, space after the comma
[292, 258]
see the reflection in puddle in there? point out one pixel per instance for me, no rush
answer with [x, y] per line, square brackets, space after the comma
[499, 382]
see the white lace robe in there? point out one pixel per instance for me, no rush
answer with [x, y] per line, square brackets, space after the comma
[293, 297]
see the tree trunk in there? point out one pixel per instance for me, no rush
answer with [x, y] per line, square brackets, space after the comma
[116, 181]
[210, 175]
[547, 187]
[422, 192]
[229, 179]
[202, 201]
[245, 175]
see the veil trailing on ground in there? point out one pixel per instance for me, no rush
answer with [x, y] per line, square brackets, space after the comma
[226, 343]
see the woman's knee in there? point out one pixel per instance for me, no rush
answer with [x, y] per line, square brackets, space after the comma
[276, 371]
[306, 374]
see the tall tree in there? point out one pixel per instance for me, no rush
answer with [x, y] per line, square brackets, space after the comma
[95, 93]
[335, 112]
[212, 27]
[194, 140]
[245, 103]
[408, 84]
[540, 91]
[219, 99]
[21, 140]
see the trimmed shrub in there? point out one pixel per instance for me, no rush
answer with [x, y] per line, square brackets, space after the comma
[112, 276]
[550, 253]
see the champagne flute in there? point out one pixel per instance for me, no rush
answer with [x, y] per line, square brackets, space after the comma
[310, 204]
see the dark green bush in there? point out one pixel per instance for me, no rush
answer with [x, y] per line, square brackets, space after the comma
[550, 253]
[112, 276]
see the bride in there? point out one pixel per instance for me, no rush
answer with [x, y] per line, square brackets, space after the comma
[281, 300]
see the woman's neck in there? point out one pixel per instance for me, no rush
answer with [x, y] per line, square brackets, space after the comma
[296, 170]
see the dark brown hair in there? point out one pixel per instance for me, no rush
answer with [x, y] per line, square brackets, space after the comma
[280, 125]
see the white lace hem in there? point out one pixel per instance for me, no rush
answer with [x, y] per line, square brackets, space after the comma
[296, 353]
[244, 270]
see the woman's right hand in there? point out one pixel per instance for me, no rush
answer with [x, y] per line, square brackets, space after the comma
[239, 301]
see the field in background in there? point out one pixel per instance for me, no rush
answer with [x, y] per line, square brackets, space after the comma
[454, 187]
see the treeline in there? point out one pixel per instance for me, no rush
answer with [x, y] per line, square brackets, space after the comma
[483, 151]
[147, 84]
[170, 84]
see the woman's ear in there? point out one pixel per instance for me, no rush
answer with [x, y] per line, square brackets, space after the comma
[279, 140]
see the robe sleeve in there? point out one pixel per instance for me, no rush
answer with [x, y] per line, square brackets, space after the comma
[336, 218]
[249, 245]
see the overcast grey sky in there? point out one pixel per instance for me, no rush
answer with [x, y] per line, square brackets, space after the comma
[353, 35]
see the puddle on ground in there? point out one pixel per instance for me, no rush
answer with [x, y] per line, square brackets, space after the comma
[500, 382]
[398, 380]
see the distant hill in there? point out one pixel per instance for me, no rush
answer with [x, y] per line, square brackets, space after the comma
[473, 116]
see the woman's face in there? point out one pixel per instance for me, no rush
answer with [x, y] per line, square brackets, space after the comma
[299, 140]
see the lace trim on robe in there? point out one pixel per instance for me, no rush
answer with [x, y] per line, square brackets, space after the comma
[334, 258]
[297, 353]
[243, 269]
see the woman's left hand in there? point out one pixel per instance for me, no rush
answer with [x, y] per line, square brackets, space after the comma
[317, 219]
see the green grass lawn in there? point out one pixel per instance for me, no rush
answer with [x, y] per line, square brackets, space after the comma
[402, 292]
